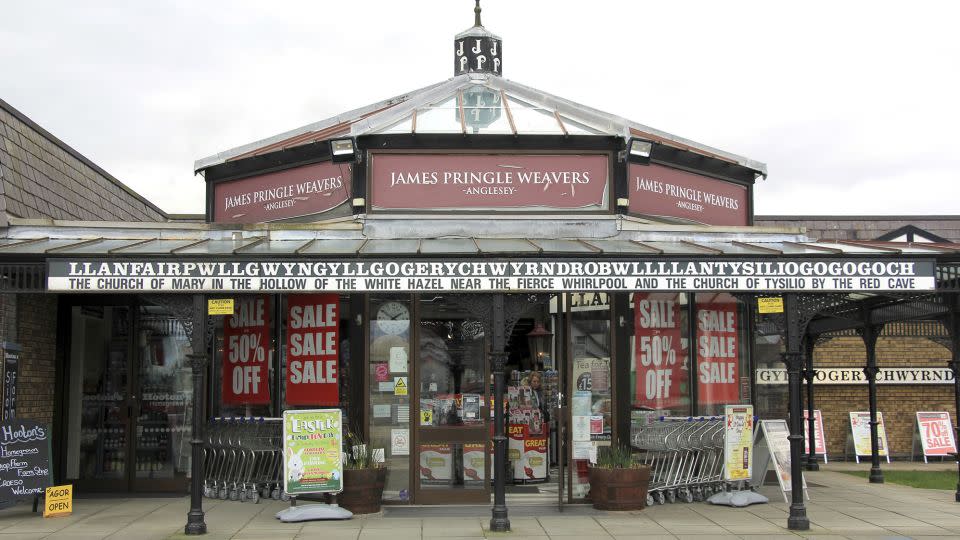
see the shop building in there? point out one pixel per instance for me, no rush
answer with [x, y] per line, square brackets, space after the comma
[416, 262]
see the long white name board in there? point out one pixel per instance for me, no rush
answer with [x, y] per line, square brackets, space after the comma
[188, 275]
[837, 376]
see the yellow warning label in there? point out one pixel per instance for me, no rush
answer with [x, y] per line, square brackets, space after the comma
[59, 501]
[426, 418]
[399, 386]
[220, 306]
[770, 305]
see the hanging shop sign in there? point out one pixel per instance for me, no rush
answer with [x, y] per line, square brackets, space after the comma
[656, 190]
[718, 354]
[738, 442]
[860, 432]
[300, 191]
[313, 344]
[659, 357]
[852, 375]
[312, 461]
[24, 460]
[11, 370]
[537, 275]
[432, 182]
[818, 434]
[246, 353]
[936, 434]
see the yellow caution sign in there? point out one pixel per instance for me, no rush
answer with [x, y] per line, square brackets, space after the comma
[770, 305]
[426, 418]
[59, 501]
[220, 306]
[399, 386]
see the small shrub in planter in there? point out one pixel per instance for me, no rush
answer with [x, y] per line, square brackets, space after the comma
[617, 481]
[363, 480]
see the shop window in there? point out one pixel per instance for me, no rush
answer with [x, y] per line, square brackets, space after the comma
[659, 356]
[389, 389]
[768, 345]
[723, 376]
[243, 360]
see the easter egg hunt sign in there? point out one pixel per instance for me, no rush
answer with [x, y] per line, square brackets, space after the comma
[312, 451]
[313, 337]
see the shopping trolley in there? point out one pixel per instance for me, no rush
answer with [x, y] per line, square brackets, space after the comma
[242, 459]
[685, 456]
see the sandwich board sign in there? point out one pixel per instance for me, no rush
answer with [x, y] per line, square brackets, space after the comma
[772, 449]
[935, 434]
[738, 442]
[860, 433]
[25, 473]
[820, 439]
[312, 444]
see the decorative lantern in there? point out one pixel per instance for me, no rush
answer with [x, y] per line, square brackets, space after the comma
[539, 342]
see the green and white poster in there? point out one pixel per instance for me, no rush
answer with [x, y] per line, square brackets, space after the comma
[311, 451]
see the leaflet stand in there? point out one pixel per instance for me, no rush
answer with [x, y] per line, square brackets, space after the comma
[773, 434]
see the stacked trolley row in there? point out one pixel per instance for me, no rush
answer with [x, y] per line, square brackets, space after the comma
[242, 459]
[685, 456]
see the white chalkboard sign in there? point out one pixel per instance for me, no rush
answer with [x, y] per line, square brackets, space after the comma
[25, 470]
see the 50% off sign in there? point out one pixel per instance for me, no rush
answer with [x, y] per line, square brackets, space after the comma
[659, 358]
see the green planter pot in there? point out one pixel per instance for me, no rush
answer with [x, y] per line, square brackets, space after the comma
[619, 489]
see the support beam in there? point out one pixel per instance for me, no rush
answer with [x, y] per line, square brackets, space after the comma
[196, 523]
[793, 358]
[870, 333]
[500, 520]
[809, 374]
[953, 325]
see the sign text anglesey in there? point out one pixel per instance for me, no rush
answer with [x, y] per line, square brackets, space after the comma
[490, 275]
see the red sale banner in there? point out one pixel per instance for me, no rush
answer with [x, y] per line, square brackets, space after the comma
[313, 344]
[659, 358]
[246, 342]
[936, 433]
[718, 355]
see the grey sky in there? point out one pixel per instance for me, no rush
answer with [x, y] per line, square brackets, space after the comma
[852, 105]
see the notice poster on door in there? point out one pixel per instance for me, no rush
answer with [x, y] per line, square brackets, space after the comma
[738, 442]
[717, 353]
[860, 429]
[936, 434]
[661, 371]
[313, 338]
[819, 438]
[436, 464]
[246, 346]
[534, 459]
[474, 464]
[312, 460]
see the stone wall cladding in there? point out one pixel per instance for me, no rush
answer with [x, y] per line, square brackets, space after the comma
[44, 178]
[898, 403]
[864, 227]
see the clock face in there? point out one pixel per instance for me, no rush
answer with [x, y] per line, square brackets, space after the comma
[393, 318]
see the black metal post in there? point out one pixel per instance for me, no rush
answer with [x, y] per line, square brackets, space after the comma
[793, 357]
[500, 521]
[198, 363]
[809, 374]
[869, 335]
[954, 328]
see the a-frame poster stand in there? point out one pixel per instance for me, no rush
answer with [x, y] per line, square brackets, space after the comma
[858, 438]
[771, 447]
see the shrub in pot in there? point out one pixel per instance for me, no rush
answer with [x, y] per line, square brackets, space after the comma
[363, 480]
[618, 481]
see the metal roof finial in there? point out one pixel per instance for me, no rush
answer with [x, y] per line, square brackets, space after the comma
[476, 11]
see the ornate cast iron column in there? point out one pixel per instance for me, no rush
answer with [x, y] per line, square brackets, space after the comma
[500, 521]
[953, 326]
[869, 333]
[809, 374]
[793, 358]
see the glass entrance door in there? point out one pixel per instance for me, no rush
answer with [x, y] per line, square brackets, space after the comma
[450, 391]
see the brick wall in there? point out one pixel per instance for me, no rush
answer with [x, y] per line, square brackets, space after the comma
[898, 403]
[42, 177]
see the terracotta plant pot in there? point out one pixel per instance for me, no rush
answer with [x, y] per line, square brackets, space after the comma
[619, 489]
[362, 490]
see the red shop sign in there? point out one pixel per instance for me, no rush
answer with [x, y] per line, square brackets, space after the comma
[718, 354]
[656, 190]
[313, 346]
[658, 353]
[246, 353]
[299, 191]
[489, 182]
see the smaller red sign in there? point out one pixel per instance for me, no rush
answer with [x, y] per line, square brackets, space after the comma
[718, 354]
[656, 190]
[819, 438]
[936, 433]
[382, 372]
[246, 346]
[659, 358]
[313, 345]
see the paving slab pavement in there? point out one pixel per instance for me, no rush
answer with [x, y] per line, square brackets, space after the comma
[841, 507]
